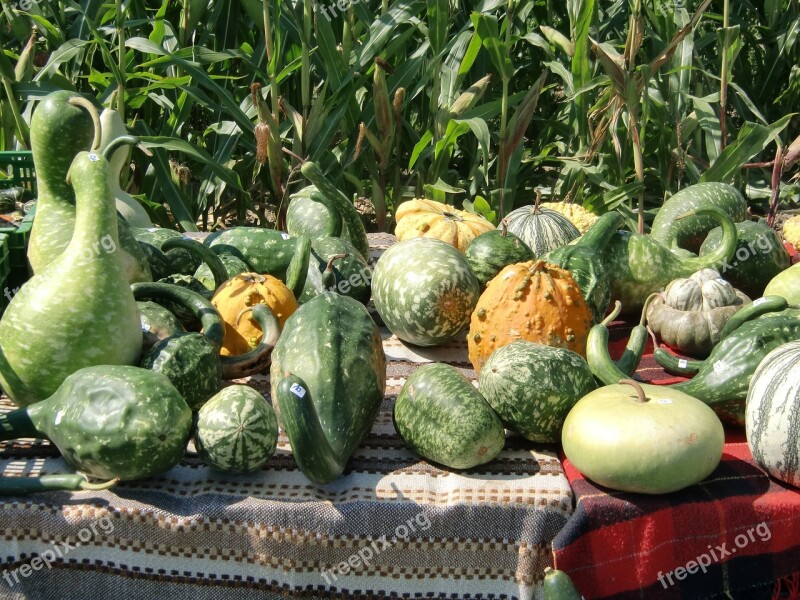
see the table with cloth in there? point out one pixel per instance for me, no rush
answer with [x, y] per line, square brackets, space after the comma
[393, 526]
[741, 525]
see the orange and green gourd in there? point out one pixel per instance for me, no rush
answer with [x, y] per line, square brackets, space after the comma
[532, 301]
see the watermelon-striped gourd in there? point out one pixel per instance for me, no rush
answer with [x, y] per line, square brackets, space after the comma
[772, 413]
[236, 431]
[424, 290]
[490, 252]
[443, 418]
[541, 229]
[532, 387]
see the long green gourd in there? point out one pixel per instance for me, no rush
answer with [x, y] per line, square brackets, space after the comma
[78, 311]
[62, 126]
[638, 265]
[328, 377]
[109, 422]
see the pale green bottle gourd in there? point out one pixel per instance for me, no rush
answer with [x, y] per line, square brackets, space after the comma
[79, 311]
[112, 127]
[61, 126]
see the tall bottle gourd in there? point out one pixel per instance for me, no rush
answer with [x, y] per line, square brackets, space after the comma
[79, 311]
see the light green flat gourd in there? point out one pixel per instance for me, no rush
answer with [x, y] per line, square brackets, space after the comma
[61, 126]
[78, 311]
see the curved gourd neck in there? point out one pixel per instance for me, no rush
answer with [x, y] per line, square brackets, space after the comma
[723, 252]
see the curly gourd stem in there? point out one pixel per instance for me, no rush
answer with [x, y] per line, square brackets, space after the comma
[640, 395]
[653, 337]
[92, 110]
[613, 314]
[104, 485]
[646, 307]
[257, 359]
[123, 140]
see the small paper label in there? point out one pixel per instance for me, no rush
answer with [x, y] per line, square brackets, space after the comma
[93, 157]
[719, 366]
[297, 390]
[285, 236]
[665, 401]
[683, 363]
[759, 301]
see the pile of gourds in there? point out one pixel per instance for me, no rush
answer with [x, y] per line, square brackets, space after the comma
[152, 324]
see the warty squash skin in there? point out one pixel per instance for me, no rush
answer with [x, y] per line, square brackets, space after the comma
[532, 301]
[428, 218]
[77, 312]
[243, 291]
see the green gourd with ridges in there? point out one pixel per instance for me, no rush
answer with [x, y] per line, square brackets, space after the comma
[328, 377]
[773, 413]
[79, 310]
[532, 387]
[109, 422]
[61, 126]
[689, 233]
[759, 256]
[490, 252]
[542, 229]
[424, 290]
[583, 260]
[443, 418]
[236, 431]
[637, 265]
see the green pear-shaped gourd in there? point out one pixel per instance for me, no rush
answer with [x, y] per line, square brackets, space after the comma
[113, 127]
[108, 422]
[79, 311]
[61, 126]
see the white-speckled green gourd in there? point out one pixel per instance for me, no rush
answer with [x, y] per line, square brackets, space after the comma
[61, 126]
[109, 422]
[78, 311]
[328, 377]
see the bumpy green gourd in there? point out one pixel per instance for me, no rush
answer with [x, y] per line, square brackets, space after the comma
[78, 311]
[109, 422]
[328, 377]
[158, 324]
[61, 127]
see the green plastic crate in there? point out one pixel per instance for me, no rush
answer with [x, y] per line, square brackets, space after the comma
[18, 169]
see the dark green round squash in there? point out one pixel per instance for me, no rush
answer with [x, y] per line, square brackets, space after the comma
[490, 252]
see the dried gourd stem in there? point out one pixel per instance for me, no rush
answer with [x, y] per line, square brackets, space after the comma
[329, 266]
[88, 485]
[646, 307]
[613, 314]
[504, 226]
[640, 395]
[537, 202]
[92, 110]
[652, 336]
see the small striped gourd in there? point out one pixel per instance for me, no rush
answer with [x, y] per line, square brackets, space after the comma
[542, 229]
[772, 413]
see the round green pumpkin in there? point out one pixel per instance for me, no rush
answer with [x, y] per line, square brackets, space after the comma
[490, 252]
[424, 290]
[236, 431]
[658, 443]
[532, 387]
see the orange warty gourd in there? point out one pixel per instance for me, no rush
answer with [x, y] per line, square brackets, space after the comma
[245, 290]
[428, 218]
[533, 301]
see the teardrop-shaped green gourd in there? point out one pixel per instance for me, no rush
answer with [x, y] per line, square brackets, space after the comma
[79, 311]
[61, 126]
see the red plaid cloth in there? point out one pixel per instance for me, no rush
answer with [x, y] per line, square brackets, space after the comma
[743, 524]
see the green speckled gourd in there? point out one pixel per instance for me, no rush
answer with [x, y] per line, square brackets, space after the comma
[312, 214]
[583, 260]
[180, 261]
[352, 275]
[689, 233]
[158, 324]
[109, 422]
[233, 266]
[267, 251]
[191, 363]
[79, 310]
[637, 265]
[424, 290]
[60, 129]
[328, 377]
[236, 431]
[443, 418]
[759, 256]
[490, 252]
[532, 387]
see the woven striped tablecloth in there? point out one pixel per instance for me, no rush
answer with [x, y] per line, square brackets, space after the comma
[393, 526]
